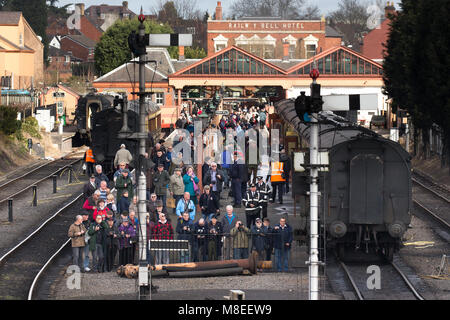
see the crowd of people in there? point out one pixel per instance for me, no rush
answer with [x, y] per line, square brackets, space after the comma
[108, 225]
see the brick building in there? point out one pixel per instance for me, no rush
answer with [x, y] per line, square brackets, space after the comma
[271, 39]
[374, 41]
[80, 46]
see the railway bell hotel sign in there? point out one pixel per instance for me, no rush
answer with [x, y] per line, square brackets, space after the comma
[292, 26]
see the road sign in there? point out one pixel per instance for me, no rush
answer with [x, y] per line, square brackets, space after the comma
[222, 112]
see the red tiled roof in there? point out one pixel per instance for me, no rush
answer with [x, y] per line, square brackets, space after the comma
[374, 40]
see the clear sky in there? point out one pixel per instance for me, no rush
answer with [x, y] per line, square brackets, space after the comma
[325, 6]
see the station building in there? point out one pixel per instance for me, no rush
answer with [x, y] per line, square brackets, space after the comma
[271, 38]
[240, 77]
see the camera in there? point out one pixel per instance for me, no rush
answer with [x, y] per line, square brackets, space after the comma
[190, 210]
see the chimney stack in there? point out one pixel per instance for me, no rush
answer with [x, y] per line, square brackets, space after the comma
[180, 53]
[389, 9]
[81, 7]
[219, 11]
[286, 51]
[125, 4]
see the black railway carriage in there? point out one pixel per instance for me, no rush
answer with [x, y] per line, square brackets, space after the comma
[366, 192]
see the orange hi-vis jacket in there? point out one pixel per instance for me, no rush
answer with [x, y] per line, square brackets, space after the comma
[90, 156]
[277, 170]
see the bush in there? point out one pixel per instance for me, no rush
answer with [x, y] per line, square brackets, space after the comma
[30, 125]
[8, 120]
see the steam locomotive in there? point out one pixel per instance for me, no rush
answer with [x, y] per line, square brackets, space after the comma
[99, 118]
[366, 194]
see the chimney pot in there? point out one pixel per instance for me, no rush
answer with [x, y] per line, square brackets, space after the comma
[81, 7]
[180, 53]
[219, 11]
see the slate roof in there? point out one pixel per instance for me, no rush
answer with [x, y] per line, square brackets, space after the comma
[10, 17]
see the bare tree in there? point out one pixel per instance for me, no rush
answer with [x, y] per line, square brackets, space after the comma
[351, 19]
[285, 9]
[186, 9]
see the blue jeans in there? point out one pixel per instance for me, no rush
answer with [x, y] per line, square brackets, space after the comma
[163, 199]
[184, 256]
[240, 253]
[282, 259]
[86, 256]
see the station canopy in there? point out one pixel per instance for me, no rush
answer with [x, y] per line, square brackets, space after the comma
[232, 61]
[339, 61]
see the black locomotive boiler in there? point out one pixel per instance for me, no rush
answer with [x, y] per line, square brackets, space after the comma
[366, 194]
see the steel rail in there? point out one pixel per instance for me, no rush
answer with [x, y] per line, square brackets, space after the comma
[20, 244]
[432, 214]
[39, 181]
[406, 280]
[27, 173]
[431, 190]
[350, 278]
[42, 270]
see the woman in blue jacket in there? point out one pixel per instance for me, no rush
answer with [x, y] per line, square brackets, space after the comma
[188, 179]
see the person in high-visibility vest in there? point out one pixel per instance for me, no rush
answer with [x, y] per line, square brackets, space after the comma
[278, 180]
[90, 161]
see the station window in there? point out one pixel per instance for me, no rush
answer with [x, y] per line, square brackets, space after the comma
[310, 51]
[159, 98]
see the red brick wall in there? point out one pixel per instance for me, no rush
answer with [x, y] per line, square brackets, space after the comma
[77, 50]
[89, 30]
[276, 29]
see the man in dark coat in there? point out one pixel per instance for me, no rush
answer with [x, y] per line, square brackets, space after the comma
[209, 203]
[214, 178]
[282, 236]
[100, 176]
[184, 229]
[284, 158]
[252, 202]
[237, 174]
[215, 233]
[161, 180]
[89, 188]
[258, 238]
[111, 243]
[200, 241]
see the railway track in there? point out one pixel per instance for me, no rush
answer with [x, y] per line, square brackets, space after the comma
[15, 187]
[394, 283]
[21, 267]
[432, 199]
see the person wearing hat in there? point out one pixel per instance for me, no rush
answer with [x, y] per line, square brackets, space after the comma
[87, 224]
[176, 187]
[258, 238]
[122, 155]
[123, 183]
[101, 210]
[97, 242]
[90, 187]
[184, 229]
[161, 179]
[264, 191]
[237, 178]
[209, 203]
[252, 202]
[111, 243]
[215, 233]
[126, 233]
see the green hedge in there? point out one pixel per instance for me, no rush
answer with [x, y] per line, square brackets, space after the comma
[8, 120]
